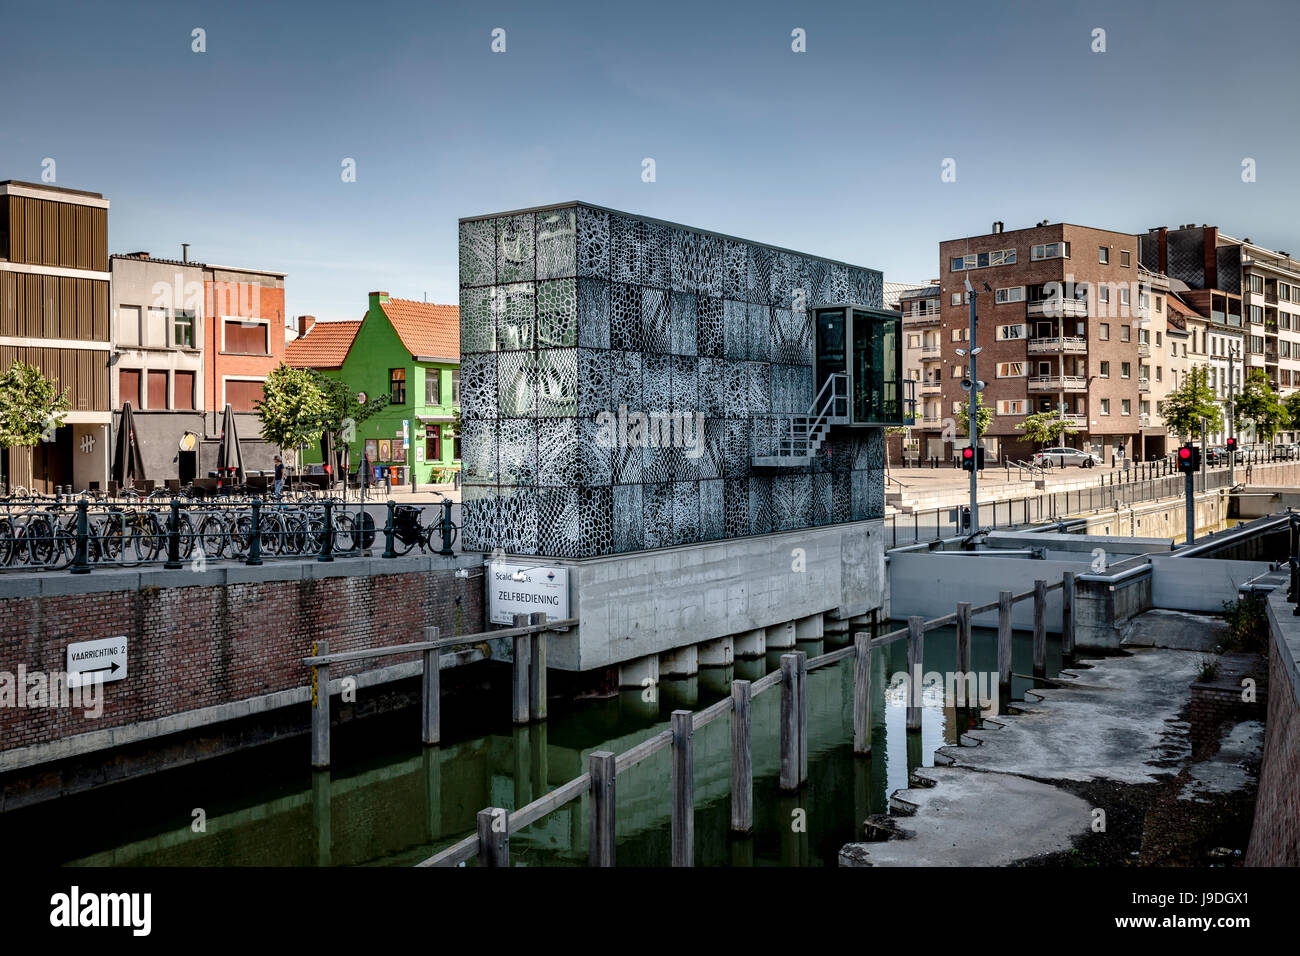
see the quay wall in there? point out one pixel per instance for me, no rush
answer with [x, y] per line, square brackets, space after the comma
[1275, 837]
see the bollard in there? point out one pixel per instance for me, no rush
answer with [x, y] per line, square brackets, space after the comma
[1067, 615]
[862, 693]
[388, 532]
[174, 537]
[602, 767]
[789, 722]
[447, 530]
[683, 787]
[81, 563]
[521, 678]
[1040, 628]
[1004, 642]
[915, 667]
[255, 540]
[494, 837]
[742, 764]
[537, 668]
[327, 534]
[320, 708]
[431, 717]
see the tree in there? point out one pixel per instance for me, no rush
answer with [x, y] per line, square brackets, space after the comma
[343, 413]
[293, 410]
[982, 418]
[1292, 405]
[31, 407]
[1261, 406]
[1046, 428]
[890, 430]
[1190, 402]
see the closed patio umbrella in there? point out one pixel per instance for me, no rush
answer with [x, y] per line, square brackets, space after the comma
[328, 457]
[230, 460]
[128, 465]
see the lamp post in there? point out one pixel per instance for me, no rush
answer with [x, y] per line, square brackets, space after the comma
[973, 385]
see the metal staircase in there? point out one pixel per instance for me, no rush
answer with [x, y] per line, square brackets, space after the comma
[793, 439]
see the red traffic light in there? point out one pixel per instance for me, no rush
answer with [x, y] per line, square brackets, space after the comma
[1184, 453]
[1232, 443]
[968, 453]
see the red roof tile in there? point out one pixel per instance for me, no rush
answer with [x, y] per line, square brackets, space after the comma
[427, 330]
[325, 345]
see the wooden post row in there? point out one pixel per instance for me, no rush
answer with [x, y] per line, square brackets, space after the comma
[320, 708]
[537, 670]
[522, 647]
[1040, 627]
[1004, 642]
[742, 762]
[915, 669]
[494, 837]
[601, 846]
[862, 693]
[431, 714]
[1067, 615]
[683, 786]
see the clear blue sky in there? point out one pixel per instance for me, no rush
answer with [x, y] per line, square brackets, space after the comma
[835, 151]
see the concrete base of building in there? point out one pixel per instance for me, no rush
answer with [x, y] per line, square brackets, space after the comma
[809, 628]
[642, 672]
[718, 653]
[751, 645]
[683, 662]
[781, 637]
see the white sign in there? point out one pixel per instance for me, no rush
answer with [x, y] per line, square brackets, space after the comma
[103, 660]
[406, 433]
[521, 589]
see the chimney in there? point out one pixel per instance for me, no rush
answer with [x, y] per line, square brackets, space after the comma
[1210, 250]
[376, 298]
[997, 226]
[1162, 254]
[305, 322]
[185, 252]
[140, 255]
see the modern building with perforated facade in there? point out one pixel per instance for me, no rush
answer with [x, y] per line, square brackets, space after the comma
[630, 384]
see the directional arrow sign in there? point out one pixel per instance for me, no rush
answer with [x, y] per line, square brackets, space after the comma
[103, 660]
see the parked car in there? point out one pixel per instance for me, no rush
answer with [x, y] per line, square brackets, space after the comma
[1060, 457]
[1218, 455]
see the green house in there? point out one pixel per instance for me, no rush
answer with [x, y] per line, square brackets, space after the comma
[409, 351]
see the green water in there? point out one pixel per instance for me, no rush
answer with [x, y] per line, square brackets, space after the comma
[390, 801]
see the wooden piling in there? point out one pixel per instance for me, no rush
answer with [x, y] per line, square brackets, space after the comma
[600, 850]
[431, 715]
[742, 762]
[915, 670]
[683, 787]
[1004, 642]
[1040, 627]
[494, 837]
[803, 716]
[963, 637]
[789, 722]
[537, 669]
[1067, 615]
[862, 693]
[521, 669]
[320, 708]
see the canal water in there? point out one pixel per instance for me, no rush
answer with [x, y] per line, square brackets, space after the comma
[390, 801]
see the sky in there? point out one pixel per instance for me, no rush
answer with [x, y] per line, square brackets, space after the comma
[837, 151]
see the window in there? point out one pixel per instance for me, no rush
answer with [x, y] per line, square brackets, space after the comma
[183, 390]
[1124, 259]
[1160, 373]
[1257, 314]
[1008, 332]
[183, 329]
[1050, 250]
[1124, 295]
[128, 325]
[1105, 406]
[913, 342]
[1125, 332]
[958, 371]
[1160, 303]
[1256, 283]
[397, 386]
[1283, 292]
[1157, 339]
[156, 389]
[1126, 406]
[1103, 292]
[1284, 348]
[1013, 294]
[1011, 369]
[959, 335]
[455, 386]
[1018, 406]
[1144, 301]
[1125, 369]
[128, 386]
[1103, 255]
[246, 338]
[956, 298]
[432, 444]
[1103, 331]
[432, 386]
[982, 260]
[242, 396]
[1105, 370]
[155, 328]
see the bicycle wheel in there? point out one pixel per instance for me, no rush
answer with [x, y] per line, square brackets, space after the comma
[212, 535]
[39, 534]
[150, 539]
[345, 537]
[6, 541]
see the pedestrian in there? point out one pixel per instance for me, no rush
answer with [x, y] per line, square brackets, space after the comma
[279, 476]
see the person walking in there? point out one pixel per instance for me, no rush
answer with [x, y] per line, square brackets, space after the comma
[279, 476]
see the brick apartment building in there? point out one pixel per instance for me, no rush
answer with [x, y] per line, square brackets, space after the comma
[1059, 328]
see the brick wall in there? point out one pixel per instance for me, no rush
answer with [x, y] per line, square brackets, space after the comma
[1275, 838]
[199, 646]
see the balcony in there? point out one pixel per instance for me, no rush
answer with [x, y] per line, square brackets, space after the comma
[930, 388]
[1073, 344]
[1058, 307]
[1144, 420]
[929, 352]
[921, 317]
[931, 421]
[1144, 350]
[1144, 385]
[1079, 421]
[1058, 383]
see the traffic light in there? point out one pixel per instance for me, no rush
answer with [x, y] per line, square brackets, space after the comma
[968, 458]
[1189, 459]
[1231, 444]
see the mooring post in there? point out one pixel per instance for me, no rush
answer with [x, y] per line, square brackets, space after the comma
[320, 708]
[173, 537]
[683, 785]
[431, 724]
[789, 722]
[494, 837]
[1067, 615]
[915, 667]
[521, 675]
[803, 716]
[742, 764]
[537, 668]
[862, 693]
[600, 850]
[1004, 642]
[963, 637]
[1040, 627]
